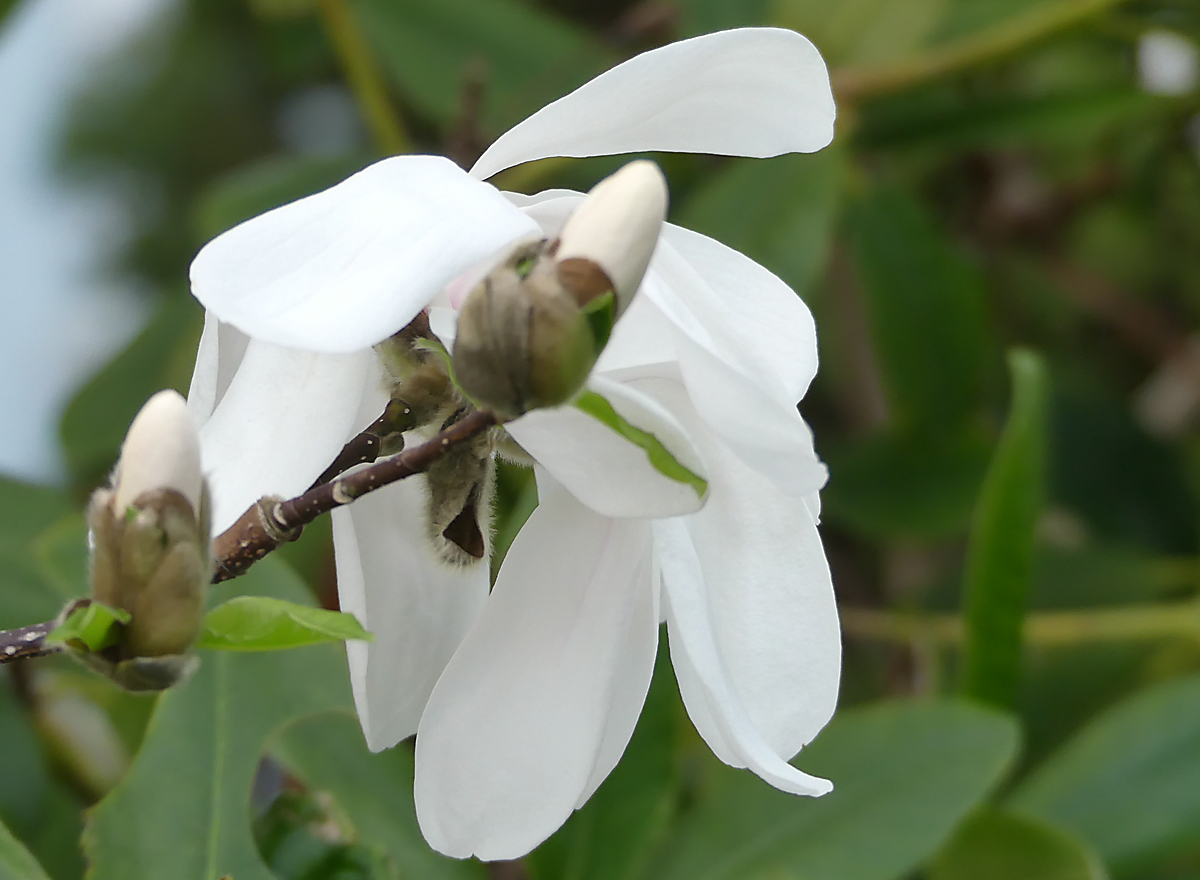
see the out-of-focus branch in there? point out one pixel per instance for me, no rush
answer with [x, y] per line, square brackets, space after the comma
[1045, 628]
[272, 522]
[364, 77]
[851, 84]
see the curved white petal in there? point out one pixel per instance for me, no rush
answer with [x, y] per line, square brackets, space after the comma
[284, 417]
[768, 585]
[520, 721]
[762, 319]
[698, 646]
[418, 607]
[605, 471]
[217, 358]
[748, 92]
[735, 390]
[342, 269]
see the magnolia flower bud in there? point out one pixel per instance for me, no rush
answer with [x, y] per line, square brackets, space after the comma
[150, 540]
[530, 331]
[613, 234]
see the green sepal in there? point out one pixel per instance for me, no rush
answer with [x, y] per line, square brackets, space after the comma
[261, 623]
[90, 626]
[596, 406]
[601, 314]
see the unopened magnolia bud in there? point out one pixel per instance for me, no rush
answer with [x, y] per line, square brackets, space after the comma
[522, 342]
[530, 331]
[613, 234]
[161, 451]
[150, 534]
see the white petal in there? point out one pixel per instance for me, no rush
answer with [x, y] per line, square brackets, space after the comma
[762, 319]
[217, 358]
[525, 714]
[418, 607]
[605, 471]
[768, 585]
[749, 92]
[284, 417]
[718, 709]
[342, 269]
[735, 391]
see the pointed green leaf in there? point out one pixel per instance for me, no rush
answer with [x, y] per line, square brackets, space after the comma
[1129, 782]
[183, 809]
[261, 623]
[16, 863]
[93, 625]
[660, 457]
[997, 845]
[999, 564]
[904, 774]
[373, 791]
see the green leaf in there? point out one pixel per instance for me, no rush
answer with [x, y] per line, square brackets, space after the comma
[374, 791]
[95, 626]
[660, 457]
[779, 212]
[904, 774]
[261, 623]
[161, 356]
[926, 312]
[525, 57]
[612, 835]
[15, 861]
[996, 845]
[266, 184]
[182, 811]
[1129, 782]
[892, 485]
[32, 519]
[999, 564]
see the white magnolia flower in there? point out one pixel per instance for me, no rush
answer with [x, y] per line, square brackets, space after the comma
[524, 699]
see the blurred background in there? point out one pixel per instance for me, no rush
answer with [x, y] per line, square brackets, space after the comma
[1005, 173]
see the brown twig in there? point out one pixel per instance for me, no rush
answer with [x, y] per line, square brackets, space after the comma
[27, 641]
[271, 522]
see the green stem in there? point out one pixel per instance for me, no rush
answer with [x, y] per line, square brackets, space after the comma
[1047, 628]
[1004, 39]
[363, 75]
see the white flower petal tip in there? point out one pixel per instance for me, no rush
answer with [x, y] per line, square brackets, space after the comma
[616, 228]
[746, 92]
[161, 451]
[340, 270]
[1168, 63]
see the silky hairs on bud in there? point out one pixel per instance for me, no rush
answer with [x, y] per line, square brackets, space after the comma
[531, 330]
[150, 542]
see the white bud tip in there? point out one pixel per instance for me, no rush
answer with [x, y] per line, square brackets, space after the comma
[161, 451]
[617, 226]
[1168, 63]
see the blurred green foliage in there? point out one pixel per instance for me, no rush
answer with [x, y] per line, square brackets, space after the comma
[998, 180]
